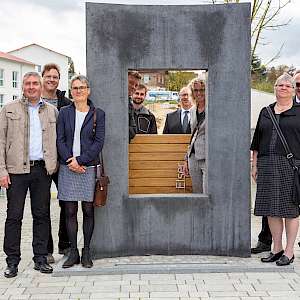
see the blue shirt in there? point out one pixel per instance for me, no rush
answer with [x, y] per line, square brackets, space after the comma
[35, 132]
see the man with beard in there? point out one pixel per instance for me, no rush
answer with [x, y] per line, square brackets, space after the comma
[178, 122]
[144, 119]
[134, 78]
[51, 94]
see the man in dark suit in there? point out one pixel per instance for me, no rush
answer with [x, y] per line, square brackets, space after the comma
[178, 122]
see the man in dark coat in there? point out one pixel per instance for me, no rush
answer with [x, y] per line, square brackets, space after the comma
[50, 94]
[134, 78]
[178, 122]
[144, 118]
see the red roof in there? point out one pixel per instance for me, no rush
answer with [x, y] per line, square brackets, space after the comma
[15, 58]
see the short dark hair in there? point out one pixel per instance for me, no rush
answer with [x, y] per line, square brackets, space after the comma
[142, 87]
[50, 66]
[135, 74]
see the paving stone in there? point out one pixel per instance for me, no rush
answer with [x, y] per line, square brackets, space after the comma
[109, 295]
[159, 288]
[130, 288]
[79, 296]
[228, 294]
[44, 290]
[72, 290]
[272, 287]
[168, 294]
[50, 296]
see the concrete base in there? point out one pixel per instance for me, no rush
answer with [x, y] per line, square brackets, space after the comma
[160, 266]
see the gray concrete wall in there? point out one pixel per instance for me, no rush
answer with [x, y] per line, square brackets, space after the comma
[213, 37]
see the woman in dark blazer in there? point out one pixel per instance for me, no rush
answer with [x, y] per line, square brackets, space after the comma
[79, 144]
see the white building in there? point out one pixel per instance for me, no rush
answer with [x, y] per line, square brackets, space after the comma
[41, 56]
[12, 70]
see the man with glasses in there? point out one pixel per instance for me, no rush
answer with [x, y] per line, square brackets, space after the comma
[178, 122]
[144, 119]
[28, 157]
[52, 95]
[297, 87]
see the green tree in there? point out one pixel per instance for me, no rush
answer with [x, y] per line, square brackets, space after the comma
[176, 80]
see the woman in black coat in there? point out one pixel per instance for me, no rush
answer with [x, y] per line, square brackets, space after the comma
[273, 173]
[79, 143]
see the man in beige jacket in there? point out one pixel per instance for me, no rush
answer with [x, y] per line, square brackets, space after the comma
[28, 157]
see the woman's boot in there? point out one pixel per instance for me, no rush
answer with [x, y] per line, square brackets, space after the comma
[73, 259]
[86, 260]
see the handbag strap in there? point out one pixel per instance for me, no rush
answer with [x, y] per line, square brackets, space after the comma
[99, 171]
[289, 154]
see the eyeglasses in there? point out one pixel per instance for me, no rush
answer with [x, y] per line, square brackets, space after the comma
[79, 88]
[199, 90]
[297, 84]
[284, 85]
[53, 77]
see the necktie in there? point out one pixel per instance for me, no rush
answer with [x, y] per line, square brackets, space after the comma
[185, 122]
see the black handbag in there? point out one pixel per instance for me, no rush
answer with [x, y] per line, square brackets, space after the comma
[289, 156]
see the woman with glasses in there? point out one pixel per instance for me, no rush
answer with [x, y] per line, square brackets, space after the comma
[274, 174]
[195, 160]
[80, 138]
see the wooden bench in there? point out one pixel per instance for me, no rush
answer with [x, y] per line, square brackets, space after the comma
[154, 164]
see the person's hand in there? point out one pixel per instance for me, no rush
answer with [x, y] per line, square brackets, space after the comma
[74, 166]
[254, 172]
[5, 181]
[186, 169]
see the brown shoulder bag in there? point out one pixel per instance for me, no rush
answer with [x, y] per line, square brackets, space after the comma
[102, 180]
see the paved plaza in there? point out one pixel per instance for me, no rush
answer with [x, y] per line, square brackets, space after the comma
[242, 278]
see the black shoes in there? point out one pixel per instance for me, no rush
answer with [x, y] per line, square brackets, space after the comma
[260, 247]
[43, 267]
[73, 259]
[11, 271]
[86, 260]
[272, 257]
[284, 260]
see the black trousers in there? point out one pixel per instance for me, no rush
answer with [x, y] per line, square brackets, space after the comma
[63, 240]
[265, 235]
[38, 183]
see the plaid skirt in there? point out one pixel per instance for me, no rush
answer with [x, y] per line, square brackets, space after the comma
[74, 186]
[275, 181]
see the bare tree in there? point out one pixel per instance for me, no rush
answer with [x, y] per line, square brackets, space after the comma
[264, 16]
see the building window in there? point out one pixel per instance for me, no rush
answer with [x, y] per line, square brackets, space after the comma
[15, 79]
[15, 97]
[39, 68]
[1, 77]
[1, 100]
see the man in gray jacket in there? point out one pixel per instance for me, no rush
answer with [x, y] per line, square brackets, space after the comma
[28, 157]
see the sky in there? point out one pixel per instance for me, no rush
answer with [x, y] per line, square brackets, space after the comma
[60, 25]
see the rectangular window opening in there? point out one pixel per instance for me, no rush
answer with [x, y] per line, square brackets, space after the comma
[158, 101]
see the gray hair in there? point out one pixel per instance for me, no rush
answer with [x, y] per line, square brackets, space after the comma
[34, 74]
[285, 77]
[81, 78]
[191, 86]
